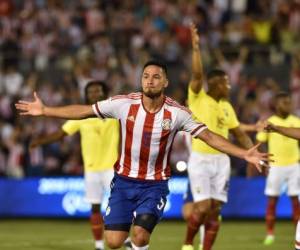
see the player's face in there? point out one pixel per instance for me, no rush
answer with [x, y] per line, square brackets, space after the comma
[154, 81]
[224, 86]
[94, 94]
[284, 105]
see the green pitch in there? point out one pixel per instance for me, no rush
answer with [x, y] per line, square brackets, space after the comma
[75, 235]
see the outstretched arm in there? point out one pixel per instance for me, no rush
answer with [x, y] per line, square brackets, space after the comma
[37, 108]
[220, 143]
[196, 82]
[47, 139]
[290, 132]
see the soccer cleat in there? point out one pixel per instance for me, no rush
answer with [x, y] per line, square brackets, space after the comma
[99, 248]
[187, 247]
[269, 240]
[200, 247]
[127, 245]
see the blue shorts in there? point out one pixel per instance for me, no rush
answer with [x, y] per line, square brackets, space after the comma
[188, 196]
[130, 198]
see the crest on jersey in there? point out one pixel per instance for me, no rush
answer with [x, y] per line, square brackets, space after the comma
[166, 124]
[107, 212]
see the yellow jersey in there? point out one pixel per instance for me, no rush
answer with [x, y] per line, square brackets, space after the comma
[99, 141]
[285, 150]
[219, 117]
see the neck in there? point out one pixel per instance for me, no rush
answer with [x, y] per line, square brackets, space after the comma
[214, 95]
[152, 105]
[282, 115]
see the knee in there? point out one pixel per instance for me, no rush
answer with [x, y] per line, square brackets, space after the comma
[140, 237]
[113, 241]
[203, 208]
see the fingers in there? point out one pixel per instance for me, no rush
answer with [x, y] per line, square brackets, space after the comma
[255, 146]
[258, 167]
[35, 96]
[21, 106]
[23, 102]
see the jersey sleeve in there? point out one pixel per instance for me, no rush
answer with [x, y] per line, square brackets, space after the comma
[71, 127]
[261, 136]
[297, 122]
[192, 96]
[189, 123]
[109, 108]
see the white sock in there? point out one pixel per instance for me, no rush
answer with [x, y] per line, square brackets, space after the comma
[134, 247]
[201, 234]
[99, 244]
[127, 240]
[297, 238]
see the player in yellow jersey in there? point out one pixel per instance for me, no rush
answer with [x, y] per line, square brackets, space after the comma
[285, 168]
[99, 146]
[293, 133]
[209, 169]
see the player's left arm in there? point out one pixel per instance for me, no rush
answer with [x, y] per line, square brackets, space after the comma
[218, 142]
[290, 132]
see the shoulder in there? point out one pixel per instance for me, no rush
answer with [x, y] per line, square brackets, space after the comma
[176, 106]
[128, 97]
[273, 118]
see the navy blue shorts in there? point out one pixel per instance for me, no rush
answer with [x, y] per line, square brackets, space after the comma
[188, 196]
[130, 198]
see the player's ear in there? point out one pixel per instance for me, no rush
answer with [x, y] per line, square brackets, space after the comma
[166, 83]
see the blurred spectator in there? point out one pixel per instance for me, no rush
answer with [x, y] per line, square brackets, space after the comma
[56, 46]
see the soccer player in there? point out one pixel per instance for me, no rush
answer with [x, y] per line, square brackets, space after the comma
[293, 133]
[285, 167]
[149, 122]
[208, 168]
[99, 145]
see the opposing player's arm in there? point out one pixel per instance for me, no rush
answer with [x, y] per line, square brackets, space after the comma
[290, 132]
[243, 139]
[37, 108]
[256, 127]
[196, 82]
[220, 143]
[47, 139]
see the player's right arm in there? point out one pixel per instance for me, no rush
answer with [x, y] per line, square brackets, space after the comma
[38, 108]
[290, 132]
[47, 139]
[196, 82]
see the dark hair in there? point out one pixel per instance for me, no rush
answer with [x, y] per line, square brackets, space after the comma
[276, 98]
[156, 63]
[96, 83]
[215, 73]
[280, 95]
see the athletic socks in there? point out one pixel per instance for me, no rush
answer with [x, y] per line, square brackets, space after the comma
[134, 247]
[97, 228]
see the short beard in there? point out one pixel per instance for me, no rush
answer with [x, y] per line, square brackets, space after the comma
[152, 95]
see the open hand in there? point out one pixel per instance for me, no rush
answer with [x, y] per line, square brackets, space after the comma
[258, 159]
[34, 108]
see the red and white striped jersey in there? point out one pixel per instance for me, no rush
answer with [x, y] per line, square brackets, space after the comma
[146, 138]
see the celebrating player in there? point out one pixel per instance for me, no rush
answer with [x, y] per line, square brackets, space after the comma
[149, 122]
[208, 168]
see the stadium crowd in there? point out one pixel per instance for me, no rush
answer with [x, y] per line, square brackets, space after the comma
[55, 47]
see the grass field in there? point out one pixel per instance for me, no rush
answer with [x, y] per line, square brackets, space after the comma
[75, 235]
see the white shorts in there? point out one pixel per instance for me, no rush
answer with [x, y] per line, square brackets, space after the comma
[96, 184]
[209, 176]
[278, 176]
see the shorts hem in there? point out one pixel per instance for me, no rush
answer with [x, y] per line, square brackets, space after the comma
[118, 227]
